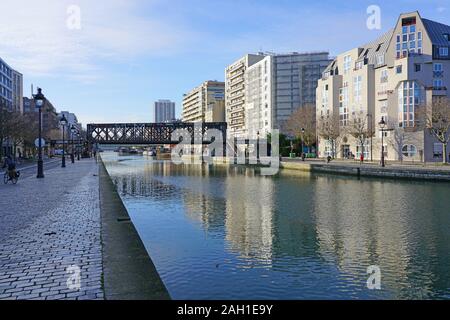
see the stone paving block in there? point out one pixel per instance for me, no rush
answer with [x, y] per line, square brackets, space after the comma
[47, 235]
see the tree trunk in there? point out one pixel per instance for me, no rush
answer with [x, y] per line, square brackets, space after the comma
[444, 153]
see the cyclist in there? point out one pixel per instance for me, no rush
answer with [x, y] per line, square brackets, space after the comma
[11, 167]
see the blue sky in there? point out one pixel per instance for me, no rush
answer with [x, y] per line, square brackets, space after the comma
[129, 53]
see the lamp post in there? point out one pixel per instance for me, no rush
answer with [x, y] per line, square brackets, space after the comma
[72, 133]
[382, 127]
[257, 147]
[78, 145]
[303, 144]
[39, 99]
[63, 123]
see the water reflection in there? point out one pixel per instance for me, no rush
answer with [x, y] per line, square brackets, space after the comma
[222, 232]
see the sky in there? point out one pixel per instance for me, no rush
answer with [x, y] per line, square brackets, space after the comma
[109, 60]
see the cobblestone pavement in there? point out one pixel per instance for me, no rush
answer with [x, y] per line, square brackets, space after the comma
[50, 236]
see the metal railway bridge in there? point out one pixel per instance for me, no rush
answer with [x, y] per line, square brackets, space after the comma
[155, 133]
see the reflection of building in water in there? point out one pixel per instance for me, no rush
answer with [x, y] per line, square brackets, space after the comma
[249, 209]
[205, 209]
[361, 224]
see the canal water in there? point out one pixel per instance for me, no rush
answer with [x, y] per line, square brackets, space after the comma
[230, 233]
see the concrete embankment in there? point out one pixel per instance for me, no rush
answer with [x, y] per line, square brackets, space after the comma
[129, 273]
[396, 172]
[355, 169]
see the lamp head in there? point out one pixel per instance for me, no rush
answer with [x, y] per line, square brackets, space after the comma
[39, 98]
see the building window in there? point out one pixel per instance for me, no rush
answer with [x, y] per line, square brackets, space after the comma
[409, 150]
[399, 69]
[417, 67]
[384, 76]
[409, 98]
[438, 150]
[380, 59]
[343, 106]
[347, 63]
[384, 108]
[357, 86]
[443, 51]
[437, 67]
[437, 83]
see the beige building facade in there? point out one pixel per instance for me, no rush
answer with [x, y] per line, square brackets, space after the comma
[235, 94]
[391, 78]
[205, 103]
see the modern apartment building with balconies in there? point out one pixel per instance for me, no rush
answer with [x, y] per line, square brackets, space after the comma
[205, 103]
[391, 78]
[235, 93]
[262, 95]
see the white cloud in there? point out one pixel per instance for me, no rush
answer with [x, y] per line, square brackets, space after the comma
[35, 39]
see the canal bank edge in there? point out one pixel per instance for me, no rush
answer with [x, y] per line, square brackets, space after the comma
[366, 170]
[371, 171]
[128, 271]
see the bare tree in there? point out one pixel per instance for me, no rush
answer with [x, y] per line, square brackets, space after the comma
[5, 127]
[359, 128]
[329, 129]
[304, 118]
[437, 121]
[397, 141]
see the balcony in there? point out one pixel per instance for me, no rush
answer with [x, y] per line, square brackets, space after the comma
[439, 91]
[382, 95]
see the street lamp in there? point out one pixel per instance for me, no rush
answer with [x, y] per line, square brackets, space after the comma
[73, 131]
[303, 145]
[78, 145]
[63, 123]
[257, 147]
[39, 100]
[382, 125]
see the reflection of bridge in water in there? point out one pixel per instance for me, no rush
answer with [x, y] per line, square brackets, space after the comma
[156, 133]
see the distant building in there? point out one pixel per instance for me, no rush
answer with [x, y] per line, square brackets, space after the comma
[72, 120]
[50, 119]
[206, 103]
[264, 90]
[164, 111]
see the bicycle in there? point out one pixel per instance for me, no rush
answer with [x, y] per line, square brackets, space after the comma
[14, 180]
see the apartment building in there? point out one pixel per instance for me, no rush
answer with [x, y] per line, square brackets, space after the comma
[50, 117]
[391, 78]
[278, 85]
[164, 111]
[205, 103]
[11, 88]
[11, 95]
[235, 93]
